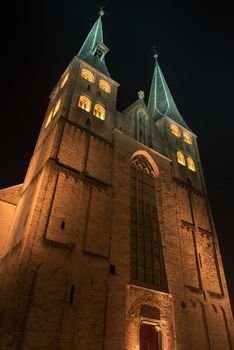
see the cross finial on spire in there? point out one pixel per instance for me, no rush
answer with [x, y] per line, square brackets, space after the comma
[102, 12]
[153, 48]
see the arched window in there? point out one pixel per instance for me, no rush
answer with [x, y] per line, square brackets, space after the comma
[147, 263]
[64, 80]
[104, 86]
[180, 158]
[175, 130]
[149, 337]
[56, 108]
[99, 111]
[84, 103]
[191, 164]
[87, 75]
[52, 113]
[187, 137]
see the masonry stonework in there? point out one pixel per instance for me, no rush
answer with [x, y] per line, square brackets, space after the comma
[110, 235]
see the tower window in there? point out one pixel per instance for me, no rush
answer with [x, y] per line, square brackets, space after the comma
[49, 118]
[180, 158]
[64, 80]
[56, 108]
[104, 86]
[84, 103]
[99, 111]
[87, 75]
[191, 164]
[175, 130]
[187, 138]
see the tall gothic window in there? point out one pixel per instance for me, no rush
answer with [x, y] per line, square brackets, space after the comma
[147, 265]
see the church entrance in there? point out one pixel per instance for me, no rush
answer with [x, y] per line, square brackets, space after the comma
[149, 337]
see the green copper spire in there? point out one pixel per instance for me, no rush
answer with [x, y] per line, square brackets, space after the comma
[161, 102]
[93, 50]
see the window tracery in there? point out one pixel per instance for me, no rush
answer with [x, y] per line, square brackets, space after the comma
[99, 111]
[87, 75]
[143, 164]
[104, 86]
[84, 103]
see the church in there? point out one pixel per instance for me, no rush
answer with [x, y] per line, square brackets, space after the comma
[109, 243]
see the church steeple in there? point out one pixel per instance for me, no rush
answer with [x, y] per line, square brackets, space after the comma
[93, 50]
[161, 102]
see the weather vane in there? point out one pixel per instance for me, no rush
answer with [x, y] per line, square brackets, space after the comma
[153, 48]
[102, 11]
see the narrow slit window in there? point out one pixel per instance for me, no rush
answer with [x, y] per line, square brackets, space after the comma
[63, 224]
[65, 79]
[84, 103]
[99, 111]
[72, 294]
[56, 108]
[49, 119]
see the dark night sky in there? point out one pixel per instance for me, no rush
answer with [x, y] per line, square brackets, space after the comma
[196, 54]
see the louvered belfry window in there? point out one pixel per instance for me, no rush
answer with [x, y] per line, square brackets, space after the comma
[147, 265]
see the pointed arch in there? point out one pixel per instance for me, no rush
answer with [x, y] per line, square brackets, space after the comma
[148, 158]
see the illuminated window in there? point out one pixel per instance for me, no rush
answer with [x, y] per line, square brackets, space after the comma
[99, 111]
[87, 75]
[64, 80]
[84, 103]
[180, 158]
[187, 138]
[191, 164]
[175, 130]
[49, 119]
[104, 86]
[56, 108]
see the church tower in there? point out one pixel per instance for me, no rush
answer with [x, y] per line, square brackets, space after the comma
[109, 244]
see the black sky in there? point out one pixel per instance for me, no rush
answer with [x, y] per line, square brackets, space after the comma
[196, 54]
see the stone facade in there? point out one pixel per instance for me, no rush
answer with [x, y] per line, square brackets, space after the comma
[109, 232]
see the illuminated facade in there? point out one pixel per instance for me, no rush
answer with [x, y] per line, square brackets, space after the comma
[109, 244]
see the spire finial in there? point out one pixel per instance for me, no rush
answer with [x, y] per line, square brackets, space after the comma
[102, 12]
[153, 48]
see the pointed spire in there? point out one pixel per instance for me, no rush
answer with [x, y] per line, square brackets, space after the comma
[161, 102]
[93, 49]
